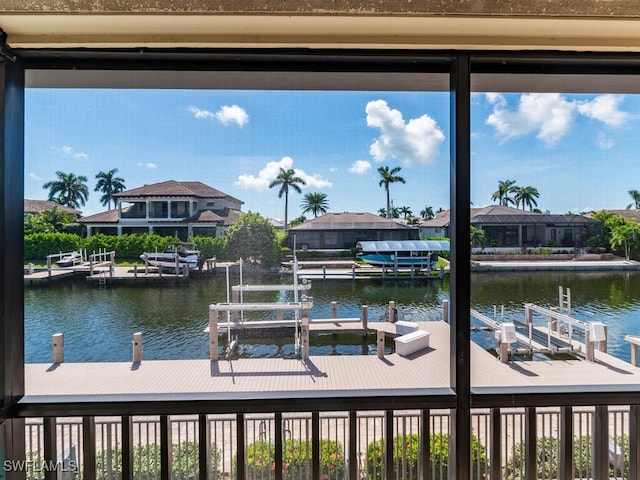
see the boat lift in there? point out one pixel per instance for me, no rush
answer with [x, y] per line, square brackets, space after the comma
[558, 337]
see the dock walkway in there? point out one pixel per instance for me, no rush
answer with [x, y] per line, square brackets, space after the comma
[330, 374]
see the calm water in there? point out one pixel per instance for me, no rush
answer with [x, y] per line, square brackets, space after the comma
[99, 322]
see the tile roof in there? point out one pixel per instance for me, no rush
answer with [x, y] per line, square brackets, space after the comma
[173, 188]
[351, 221]
[37, 206]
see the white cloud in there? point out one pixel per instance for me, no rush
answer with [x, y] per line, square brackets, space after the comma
[70, 152]
[548, 114]
[232, 114]
[271, 171]
[148, 165]
[604, 142]
[199, 113]
[495, 98]
[35, 177]
[226, 114]
[413, 143]
[360, 167]
[605, 108]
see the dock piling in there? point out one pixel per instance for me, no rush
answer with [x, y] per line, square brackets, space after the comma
[137, 347]
[393, 311]
[213, 335]
[445, 311]
[334, 309]
[58, 348]
[365, 317]
[380, 343]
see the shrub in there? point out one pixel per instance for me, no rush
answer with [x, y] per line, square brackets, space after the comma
[38, 245]
[547, 458]
[146, 462]
[406, 450]
[296, 460]
[211, 246]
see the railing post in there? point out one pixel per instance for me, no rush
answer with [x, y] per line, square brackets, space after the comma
[50, 452]
[424, 459]
[589, 346]
[602, 344]
[388, 451]
[495, 461]
[334, 309]
[565, 467]
[634, 441]
[530, 441]
[89, 447]
[240, 448]
[127, 446]
[166, 443]
[600, 443]
[204, 447]
[315, 445]
[393, 311]
[278, 446]
[354, 459]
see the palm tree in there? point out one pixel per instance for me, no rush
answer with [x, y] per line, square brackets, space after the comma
[389, 177]
[505, 187]
[108, 185]
[427, 213]
[287, 179]
[526, 196]
[635, 195]
[405, 212]
[69, 190]
[315, 203]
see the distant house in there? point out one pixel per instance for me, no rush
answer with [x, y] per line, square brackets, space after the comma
[34, 207]
[183, 209]
[345, 230]
[436, 227]
[511, 227]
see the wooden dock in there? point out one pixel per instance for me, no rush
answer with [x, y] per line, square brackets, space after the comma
[429, 368]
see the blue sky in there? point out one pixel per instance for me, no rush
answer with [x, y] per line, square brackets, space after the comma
[579, 151]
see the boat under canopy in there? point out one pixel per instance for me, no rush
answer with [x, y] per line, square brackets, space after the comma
[403, 253]
[394, 246]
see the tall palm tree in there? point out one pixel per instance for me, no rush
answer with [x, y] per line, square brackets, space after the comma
[287, 179]
[389, 177]
[69, 190]
[526, 196]
[427, 213]
[108, 184]
[505, 187]
[315, 203]
[635, 195]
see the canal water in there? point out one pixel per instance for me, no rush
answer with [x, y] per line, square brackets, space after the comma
[98, 322]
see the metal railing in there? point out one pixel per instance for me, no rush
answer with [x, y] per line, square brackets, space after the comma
[332, 446]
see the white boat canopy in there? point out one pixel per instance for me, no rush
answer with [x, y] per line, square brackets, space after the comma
[405, 246]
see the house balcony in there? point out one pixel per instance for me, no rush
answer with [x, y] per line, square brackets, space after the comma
[323, 437]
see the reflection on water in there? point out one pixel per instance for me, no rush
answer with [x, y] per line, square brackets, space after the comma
[99, 322]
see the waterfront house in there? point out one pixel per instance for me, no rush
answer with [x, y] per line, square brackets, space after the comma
[183, 209]
[458, 48]
[345, 230]
[34, 207]
[508, 227]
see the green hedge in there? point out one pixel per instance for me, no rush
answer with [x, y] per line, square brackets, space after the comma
[547, 458]
[296, 460]
[406, 450]
[146, 462]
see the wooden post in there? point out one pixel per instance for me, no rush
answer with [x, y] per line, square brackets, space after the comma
[135, 272]
[553, 321]
[213, 335]
[504, 352]
[602, 344]
[49, 266]
[137, 347]
[334, 309]
[445, 311]
[353, 272]
[380, 343]
[393, 311]
[589, 347]
[58, 348]
[634, 354]
[324, 272]
[365, 317]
